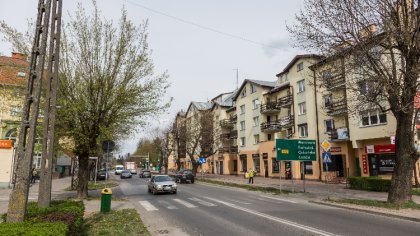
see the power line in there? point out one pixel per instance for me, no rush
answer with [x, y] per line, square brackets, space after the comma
[201, 26]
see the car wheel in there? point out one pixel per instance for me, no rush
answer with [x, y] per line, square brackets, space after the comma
[148, 190]
[154, 192]
[192, 181]
[174, 192]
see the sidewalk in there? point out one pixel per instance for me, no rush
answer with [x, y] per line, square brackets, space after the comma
[317, 192]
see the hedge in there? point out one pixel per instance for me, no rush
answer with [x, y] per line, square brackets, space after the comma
[369, 183]
[33, 229]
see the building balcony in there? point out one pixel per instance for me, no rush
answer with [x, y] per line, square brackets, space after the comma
[231, 149]
[339, 134]
[335, 82]
[270, 126]
[285, 101]
[233, 134]
[287, 121]
[338, 108]
[269, 107]
[225, 136]
[233, 119]
[226, 123]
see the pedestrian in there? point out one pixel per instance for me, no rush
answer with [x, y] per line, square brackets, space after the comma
[33, 179]
[251, 176]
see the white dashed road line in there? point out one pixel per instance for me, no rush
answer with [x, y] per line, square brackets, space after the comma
[205, 203]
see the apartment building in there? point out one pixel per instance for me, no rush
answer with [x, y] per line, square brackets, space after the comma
[247, 101]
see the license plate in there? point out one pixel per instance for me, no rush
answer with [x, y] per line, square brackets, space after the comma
[167, 188]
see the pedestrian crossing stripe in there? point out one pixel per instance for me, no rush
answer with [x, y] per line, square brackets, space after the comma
[148, 206]
[205, 203]
[187, 204]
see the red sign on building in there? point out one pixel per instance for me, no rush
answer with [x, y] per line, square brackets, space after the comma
[364, 164]
[6, 144]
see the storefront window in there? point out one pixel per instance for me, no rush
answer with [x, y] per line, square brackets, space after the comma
[257, 165]
[308, 167]
[275, 165]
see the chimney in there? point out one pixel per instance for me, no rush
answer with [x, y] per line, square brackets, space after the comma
[19, 56]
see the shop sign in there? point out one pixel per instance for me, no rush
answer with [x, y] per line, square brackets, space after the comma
[384, 148]
[370, 149]
[295, 150]
[364, 164]
[6, 143]
[392, 138]
[335, 149]
[242, 156]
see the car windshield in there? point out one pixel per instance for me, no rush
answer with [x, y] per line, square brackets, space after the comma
[126, 171]
[162, 178]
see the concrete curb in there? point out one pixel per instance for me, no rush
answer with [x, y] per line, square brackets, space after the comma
[365, 211]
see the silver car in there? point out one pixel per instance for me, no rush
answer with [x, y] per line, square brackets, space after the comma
[161, 184]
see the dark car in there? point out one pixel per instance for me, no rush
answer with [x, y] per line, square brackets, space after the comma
[145, 174]
[102, 175]
[125, 174]
[184, 176]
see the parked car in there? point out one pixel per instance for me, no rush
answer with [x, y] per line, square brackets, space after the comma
[161, 184]
[119, 169]
[184, 176]
[133, 171]
[102, 175]
[125, 174]
[145, 174]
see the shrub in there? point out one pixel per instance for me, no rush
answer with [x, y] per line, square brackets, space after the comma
[33, 229]
[369, 183]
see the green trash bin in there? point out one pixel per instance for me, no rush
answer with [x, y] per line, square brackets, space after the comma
[106, 195]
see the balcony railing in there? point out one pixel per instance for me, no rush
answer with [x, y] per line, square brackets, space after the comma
[335, 82]
[277, 125]
[233, 118]
[337, 108]
[225, 136]
[286, 121]
[233, 134]
[226, 123]
[231, 149]
[285, 101]
[339, 134]
[270, 107]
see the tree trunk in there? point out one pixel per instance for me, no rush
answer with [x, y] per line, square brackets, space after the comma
[195, 166]
[401, 183]
[178, 163]
[83, 176]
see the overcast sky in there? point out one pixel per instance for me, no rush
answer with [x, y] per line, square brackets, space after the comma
[199, 43]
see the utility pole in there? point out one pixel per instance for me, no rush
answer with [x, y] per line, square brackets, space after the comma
[18, 200]
[237, 78]
[44, 196]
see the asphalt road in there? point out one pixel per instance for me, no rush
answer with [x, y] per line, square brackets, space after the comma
[202, 209]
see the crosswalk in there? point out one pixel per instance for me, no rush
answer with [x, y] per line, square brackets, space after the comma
[176, 203]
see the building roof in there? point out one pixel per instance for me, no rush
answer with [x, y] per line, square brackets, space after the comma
[279, 87]
[201, 106]
[295, 59]
[13, 71]
[227, 102]
[257, 82]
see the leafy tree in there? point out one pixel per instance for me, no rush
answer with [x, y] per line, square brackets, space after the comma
[376, 43]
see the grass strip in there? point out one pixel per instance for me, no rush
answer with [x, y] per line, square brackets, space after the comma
[272, 190]
[416, 191]
[121, 222]
[377, 203]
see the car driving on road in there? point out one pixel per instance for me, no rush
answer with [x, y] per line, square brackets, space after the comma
[184, 176]
[145, 174]
[125, 174]
[102, 175]
[161, 184]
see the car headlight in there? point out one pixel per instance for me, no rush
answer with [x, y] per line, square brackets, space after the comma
[174, 185]
[159, 186]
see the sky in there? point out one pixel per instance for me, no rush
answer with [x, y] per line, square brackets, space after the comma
[200, 44]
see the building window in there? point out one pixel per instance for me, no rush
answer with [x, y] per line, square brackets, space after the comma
[301, 86]
[329, 125]
[302, 108]
[242, 125]
[244, 166]
[303, 131]
[299, 66]
[375, 117]
[255, 104]
[328, 100]
[269, 137]
[253, 88]
[256, 138]
[242, 141]
[308, 167]
[242, 108]
[256, 121]
[275, 165]
[243, 94]
[11, 135]
[15, 111]
[257, 164]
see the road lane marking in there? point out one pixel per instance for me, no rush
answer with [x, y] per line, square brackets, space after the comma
[205, 203]
[187, 204]
[278, 199]
[148, 206]
[273, 218]
[168, 205]
[241, 202]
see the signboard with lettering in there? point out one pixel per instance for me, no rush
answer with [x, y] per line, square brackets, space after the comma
[364, 164]
[335, 149]
[295, 150]
[6, 143]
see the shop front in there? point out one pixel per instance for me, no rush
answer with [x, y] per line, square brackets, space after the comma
[380, 158]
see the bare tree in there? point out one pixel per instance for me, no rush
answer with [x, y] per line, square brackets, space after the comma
[376, 45]
[178, 138]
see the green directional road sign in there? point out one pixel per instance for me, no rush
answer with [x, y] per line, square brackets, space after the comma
[295, 150]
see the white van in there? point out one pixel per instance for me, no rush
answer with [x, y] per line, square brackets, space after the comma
[119, 169]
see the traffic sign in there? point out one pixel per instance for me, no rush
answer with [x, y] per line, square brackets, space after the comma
[202, 160]
[295, 150]
[326, 157]
[326, 145]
